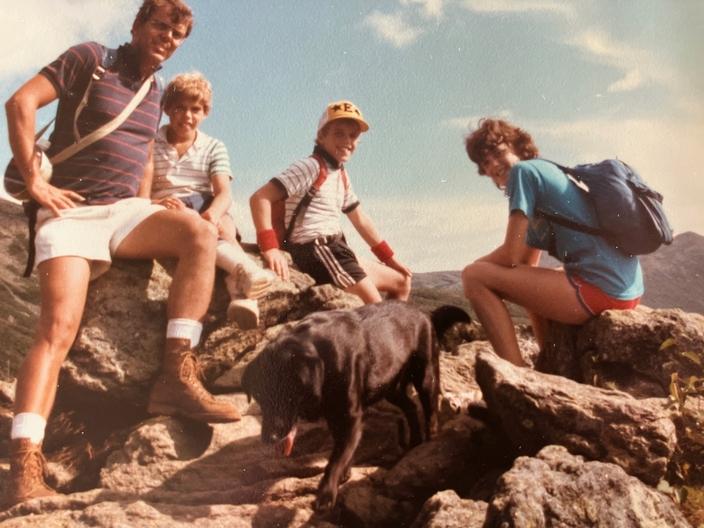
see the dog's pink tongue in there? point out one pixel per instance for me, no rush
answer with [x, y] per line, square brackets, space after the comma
[287, 443]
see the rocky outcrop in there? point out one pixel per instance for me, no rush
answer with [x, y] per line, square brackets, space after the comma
[538, 409]
[582, 442]
[556, 488]
[635, 350]
[447, 510]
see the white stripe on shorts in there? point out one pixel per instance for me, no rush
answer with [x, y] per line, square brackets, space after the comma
[338, 274]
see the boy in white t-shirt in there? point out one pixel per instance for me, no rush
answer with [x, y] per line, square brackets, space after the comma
[192, 171]
[316, 242]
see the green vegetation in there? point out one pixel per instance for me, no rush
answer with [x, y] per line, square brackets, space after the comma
[688, 463]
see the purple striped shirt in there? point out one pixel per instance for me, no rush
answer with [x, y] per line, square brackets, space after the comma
[111, 168]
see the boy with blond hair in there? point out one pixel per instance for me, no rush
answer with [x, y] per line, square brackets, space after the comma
[316, 242]
[192, 172]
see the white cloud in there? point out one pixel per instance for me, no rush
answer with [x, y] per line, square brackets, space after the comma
[37, 31]
[519, 6]
[637, 66]
[393, 28]
[470, 122]
[632, 80]
[430, 8]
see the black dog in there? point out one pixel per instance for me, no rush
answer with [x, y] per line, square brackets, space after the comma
[334, 364]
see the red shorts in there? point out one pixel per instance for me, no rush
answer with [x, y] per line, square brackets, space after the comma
[596, 301]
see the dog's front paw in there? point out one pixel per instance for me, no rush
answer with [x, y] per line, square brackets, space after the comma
[345, 475]
[325, 501]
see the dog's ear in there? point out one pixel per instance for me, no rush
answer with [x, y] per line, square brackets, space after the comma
[308, 368]
[247, 383]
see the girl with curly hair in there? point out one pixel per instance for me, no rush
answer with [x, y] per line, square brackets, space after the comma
[595, 275]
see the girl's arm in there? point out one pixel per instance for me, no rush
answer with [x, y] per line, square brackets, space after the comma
[514, 250]
[366, 229]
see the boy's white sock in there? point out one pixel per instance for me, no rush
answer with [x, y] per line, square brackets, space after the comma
[28, 425]
[184, 329]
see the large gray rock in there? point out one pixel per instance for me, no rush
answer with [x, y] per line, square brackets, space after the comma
[118, 349]
[447, 510]
[537, 409]
[640, 350]
[167, 472]
[559, 489]
[634, 350]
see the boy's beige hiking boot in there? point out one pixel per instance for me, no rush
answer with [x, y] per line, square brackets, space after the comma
[244, 275]
[26, 473]
[179, 391]
[255, 281]
[244, 312]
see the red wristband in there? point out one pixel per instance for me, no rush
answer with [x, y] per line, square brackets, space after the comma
[266, 239]
[383, 251]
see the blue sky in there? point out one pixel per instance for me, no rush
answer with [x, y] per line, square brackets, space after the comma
[590, 79]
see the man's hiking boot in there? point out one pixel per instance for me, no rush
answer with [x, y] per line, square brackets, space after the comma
[26, 473]
[179, 391]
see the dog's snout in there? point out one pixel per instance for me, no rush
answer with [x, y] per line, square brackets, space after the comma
[270, 438]
[274, 430]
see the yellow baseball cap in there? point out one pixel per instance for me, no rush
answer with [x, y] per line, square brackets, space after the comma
[342, 110]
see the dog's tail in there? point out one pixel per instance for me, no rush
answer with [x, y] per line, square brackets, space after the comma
[447, 315]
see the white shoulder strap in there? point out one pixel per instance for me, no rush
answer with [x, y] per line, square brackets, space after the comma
[107, 127]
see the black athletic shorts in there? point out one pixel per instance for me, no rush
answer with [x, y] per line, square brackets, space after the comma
[329, 260]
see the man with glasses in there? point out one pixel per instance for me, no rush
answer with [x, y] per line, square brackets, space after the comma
[92, 210]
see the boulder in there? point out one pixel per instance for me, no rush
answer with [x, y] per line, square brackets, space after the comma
[557, 488]
[119, 467]
[634, 350]
[447, 510]
[537, 409]
[118, 349]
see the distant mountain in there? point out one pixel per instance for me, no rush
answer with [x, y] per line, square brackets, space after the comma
[674, 277]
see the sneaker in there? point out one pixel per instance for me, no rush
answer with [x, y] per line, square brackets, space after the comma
[256, 282]
[244, 312]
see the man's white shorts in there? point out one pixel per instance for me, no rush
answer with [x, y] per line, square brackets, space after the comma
[93, 232]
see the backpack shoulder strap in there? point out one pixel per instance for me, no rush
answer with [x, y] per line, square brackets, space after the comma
[573, 176]
[563, 168]
[565, 222]
[300, 210]
[107, 60]
[31, 208]
[322, 173]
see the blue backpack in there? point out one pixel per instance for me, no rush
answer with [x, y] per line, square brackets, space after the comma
[630, 214]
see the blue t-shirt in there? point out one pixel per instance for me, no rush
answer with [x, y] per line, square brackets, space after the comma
[538, 184]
